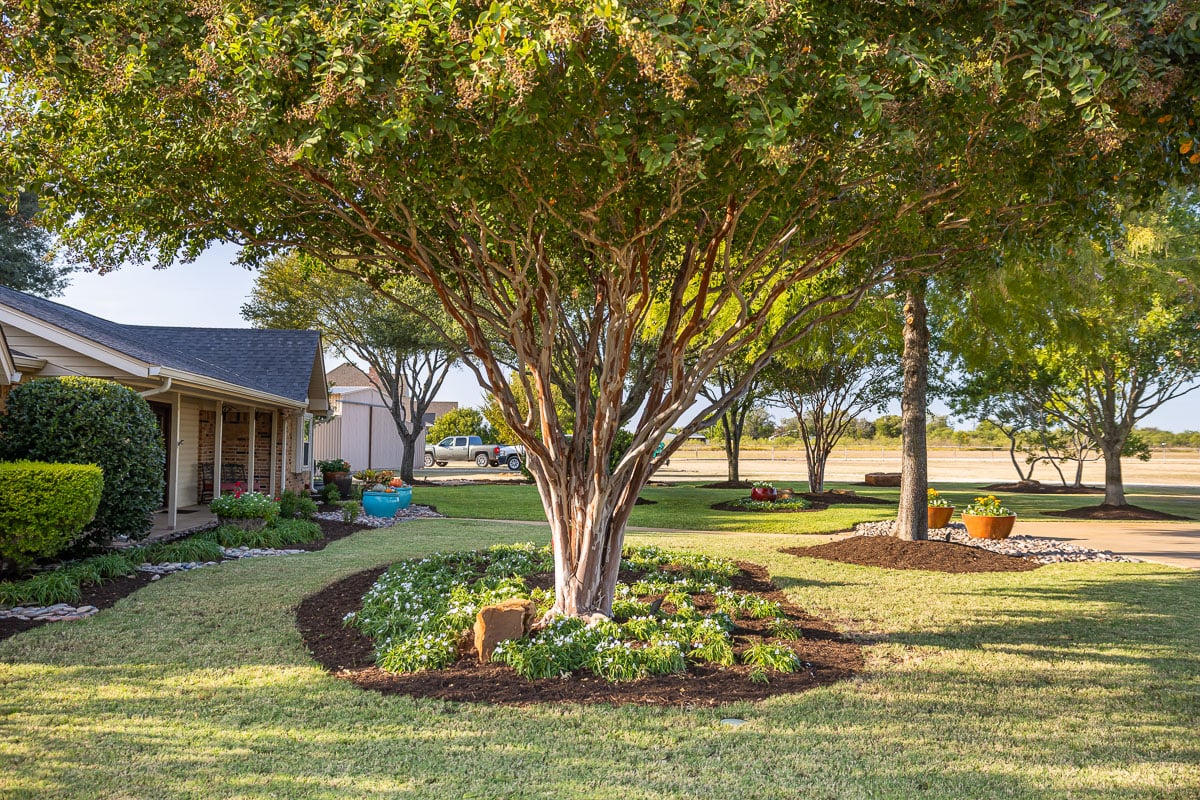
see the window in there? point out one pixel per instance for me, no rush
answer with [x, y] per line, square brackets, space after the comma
[304, 451]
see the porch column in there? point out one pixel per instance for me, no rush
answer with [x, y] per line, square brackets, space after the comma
[218, 438]
[274, 444]
[173, 464]
[250, 451]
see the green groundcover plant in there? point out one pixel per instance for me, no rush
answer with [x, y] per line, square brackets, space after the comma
[239, 504]
[418, 612]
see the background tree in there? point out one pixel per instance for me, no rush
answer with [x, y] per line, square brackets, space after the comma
[462, 422]
[1116, 337]
[843, 369]
[729, 388]
[408, 352]
[573, 179]
[25, 263]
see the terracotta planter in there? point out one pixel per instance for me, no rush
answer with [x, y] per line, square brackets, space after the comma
[939, 516]
[989, 527]
[763, 493]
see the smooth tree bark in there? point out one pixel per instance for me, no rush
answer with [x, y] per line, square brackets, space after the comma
[912, 518]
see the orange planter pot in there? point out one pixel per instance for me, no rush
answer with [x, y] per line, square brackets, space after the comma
[939, 516]
[989, 527]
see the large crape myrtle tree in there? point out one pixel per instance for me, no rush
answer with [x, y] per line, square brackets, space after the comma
[584, 185]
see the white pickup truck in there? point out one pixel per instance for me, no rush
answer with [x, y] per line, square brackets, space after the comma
[472, 448]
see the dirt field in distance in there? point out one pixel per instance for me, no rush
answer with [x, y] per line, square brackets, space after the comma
[1174, 468]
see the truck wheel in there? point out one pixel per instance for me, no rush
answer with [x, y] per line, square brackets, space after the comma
[481, 460]
[428, 460]
[514, 463]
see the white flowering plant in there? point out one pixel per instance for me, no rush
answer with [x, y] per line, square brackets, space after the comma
[418, 612]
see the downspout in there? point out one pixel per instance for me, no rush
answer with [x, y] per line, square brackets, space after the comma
[165, 386]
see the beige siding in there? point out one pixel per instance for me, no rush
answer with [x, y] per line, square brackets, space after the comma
[60, 360]
[365, 436]
[189, 452]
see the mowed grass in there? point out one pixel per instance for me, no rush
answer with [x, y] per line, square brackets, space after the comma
[689, 507]
[1070, 681]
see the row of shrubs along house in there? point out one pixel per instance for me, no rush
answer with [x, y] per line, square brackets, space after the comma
[235, 405]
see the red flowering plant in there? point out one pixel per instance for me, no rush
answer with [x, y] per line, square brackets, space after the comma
[240, 504]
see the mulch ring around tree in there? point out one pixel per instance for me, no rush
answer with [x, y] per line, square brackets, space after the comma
[1037, 487]
[892, 553]
[344, 651]
[729, 505]
[106, 594]
[1111, 512]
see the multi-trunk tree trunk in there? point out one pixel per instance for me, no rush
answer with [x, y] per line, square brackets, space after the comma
[912, 518]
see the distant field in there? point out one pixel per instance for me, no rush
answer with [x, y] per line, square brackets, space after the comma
[1167, 468]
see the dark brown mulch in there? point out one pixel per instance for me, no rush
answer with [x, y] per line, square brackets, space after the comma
[830, 498]
[1106, 511]
[1037, 487]
[836, 498]
[828, 656]
[106, 594]
[729, 506]
[892, 553]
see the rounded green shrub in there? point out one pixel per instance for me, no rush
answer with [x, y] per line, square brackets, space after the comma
[44, 507]
[92, 421]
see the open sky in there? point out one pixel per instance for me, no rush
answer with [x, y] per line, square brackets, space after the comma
[211, 291]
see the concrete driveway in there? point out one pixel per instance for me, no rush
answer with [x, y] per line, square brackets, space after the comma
[1174, 543]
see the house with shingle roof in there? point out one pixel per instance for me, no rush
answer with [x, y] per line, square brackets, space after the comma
[234, 404]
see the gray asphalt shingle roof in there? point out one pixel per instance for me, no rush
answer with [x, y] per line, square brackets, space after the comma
[279, 362]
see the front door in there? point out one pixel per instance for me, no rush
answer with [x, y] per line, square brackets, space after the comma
[162, 413]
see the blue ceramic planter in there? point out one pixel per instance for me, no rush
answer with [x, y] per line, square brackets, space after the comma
[386, 504]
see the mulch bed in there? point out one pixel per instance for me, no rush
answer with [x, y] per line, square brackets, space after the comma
[829, 657]
[106, 594]
[1036, 487]
[729, 506]
[1106, 511]
[892, 553]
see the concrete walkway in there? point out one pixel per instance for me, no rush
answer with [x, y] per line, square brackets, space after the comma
[1174, 543]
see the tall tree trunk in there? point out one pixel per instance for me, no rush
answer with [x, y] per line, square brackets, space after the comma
[912, 518]
[1078, 472]
[587, 529]
[1114, 484]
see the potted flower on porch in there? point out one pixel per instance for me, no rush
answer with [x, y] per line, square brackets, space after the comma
[335, 471]
[940, 510]
[249, 511]
[986, 518]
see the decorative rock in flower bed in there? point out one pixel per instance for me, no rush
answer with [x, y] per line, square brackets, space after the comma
[60, 612]
[1044, 551]
[412, 512]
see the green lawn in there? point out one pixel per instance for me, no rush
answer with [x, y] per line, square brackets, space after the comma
[688, 507]
[1074, 680]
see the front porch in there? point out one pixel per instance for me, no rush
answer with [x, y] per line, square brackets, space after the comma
[190, 519]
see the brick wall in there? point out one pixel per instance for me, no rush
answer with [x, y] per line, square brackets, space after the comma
[235, 448]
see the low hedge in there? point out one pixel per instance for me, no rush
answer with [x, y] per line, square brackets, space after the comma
[45, 507]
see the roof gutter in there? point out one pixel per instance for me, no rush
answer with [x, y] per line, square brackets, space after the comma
[224, 387]
[165, 386]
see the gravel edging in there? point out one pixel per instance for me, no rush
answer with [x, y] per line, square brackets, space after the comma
[1044, 551]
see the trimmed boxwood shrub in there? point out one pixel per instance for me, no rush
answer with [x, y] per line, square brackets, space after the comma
[44, 507]
[92, 421]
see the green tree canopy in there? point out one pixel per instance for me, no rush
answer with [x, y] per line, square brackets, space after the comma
[557, 171]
